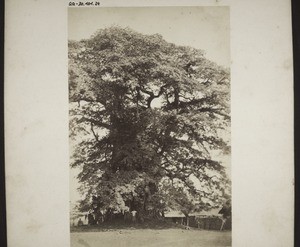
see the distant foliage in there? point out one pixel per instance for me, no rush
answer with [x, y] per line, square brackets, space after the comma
[146, 118]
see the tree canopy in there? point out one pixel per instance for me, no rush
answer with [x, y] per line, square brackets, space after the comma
[147, 118]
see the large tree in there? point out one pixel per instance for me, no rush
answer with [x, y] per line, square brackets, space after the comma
[147, 118]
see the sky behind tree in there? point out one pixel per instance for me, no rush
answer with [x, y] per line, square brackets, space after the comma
[205, 28]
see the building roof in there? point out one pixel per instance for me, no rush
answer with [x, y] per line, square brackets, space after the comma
[174, 214]
[178, 214]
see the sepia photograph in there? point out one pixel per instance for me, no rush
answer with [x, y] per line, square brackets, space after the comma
[149, 126]
[149, 123]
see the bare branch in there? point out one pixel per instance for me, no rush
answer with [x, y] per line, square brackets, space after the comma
[95, 135]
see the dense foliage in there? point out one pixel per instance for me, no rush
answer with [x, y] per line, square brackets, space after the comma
[147, 118]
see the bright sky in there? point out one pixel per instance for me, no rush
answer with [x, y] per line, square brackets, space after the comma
[205, 28]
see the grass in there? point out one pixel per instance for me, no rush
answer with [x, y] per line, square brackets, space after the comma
[148, 234]
[151, 238]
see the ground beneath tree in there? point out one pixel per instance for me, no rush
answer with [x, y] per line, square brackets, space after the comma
[132, 237]
[120, 224]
